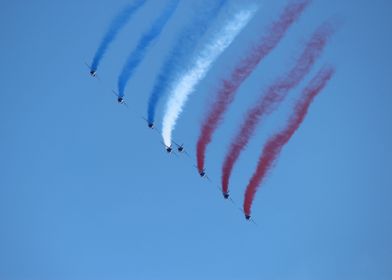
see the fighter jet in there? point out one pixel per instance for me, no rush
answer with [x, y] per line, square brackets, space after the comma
[226, 195]
[247, 216]
[202, 173]
[180, 148]
[120, 100]
[93, 72]
[169, 149]
[150, 124]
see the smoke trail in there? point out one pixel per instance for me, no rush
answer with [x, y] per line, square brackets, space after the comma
[274, 95]
[202, 63]
[275, 143]
[115, 26]
[185, 46]
[145, 41]
[229, 86]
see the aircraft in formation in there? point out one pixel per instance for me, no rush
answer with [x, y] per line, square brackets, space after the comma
[169, 149]
[180, 148]
[149, 124]
[202, 173]
[120, 100]
[93, 72]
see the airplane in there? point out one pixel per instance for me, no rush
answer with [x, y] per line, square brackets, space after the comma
[169, 149]
[120, 100]
[180, 148]
[93, 72]
[247, 216]
[226, 195]
[149, 123]
[203, 174]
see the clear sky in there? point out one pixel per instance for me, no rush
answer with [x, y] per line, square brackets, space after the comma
[88, 192]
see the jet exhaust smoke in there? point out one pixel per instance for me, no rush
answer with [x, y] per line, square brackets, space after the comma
[275, 143]
[202, 63]
[185, 46]
[115, 27]
[274, 96]
[229, 86]
[136, 57]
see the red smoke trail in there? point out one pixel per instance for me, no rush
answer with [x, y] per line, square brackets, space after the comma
[229, 87]
[274, 95]
[275, 144]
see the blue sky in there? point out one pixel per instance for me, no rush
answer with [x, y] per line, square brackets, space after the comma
[88, 192]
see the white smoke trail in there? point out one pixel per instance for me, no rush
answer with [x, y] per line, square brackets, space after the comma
[202, 63]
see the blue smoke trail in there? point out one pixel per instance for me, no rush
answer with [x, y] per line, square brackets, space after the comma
[185, 46]
[115, 26]
[138, 54]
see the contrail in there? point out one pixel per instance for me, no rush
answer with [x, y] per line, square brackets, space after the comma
[229, 86]
[275, 143]
[273, 96]
[202, 63]
[115, 26]
[145, 41]
[185, 46]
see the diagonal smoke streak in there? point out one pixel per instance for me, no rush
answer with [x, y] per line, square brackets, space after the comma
[202, 63]
[246, 66]
[185, 46]
[273, 97]
[275, 143]
[115, 26]
[136, 57]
